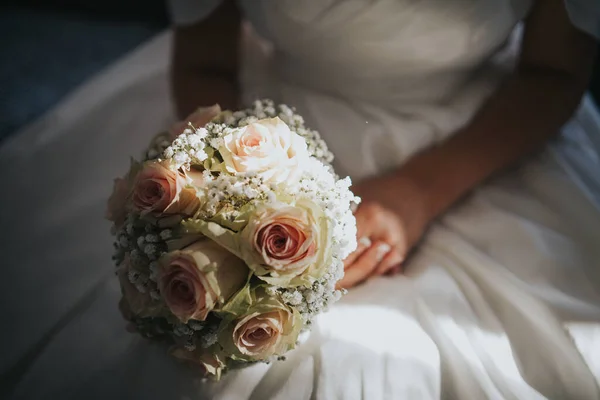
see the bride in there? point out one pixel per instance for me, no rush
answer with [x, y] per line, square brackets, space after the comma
[462, 125]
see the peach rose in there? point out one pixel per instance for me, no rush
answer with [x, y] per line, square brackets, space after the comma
[258, 335]
[198, 279]
[116, 210]
[260, 326]
[157, 189]
[282, 241]
[198, 119]
[267, 147]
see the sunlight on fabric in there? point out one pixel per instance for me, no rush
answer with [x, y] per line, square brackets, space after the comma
[482, 349]
[380, 330]
[587, 339]
[487, 355]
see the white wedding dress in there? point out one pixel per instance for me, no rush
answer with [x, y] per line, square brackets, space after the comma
[501, 300]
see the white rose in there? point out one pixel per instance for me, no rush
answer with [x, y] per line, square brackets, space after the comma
[267, 147]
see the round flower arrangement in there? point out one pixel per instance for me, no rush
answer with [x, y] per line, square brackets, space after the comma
[231, 235]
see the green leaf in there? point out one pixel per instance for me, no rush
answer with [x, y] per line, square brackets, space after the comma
[222, 236]
[240, 302]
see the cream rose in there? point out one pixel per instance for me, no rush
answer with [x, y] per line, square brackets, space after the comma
[267, 147]
[159, 190]
[200, 278]
[198, 119]
[282, 242]
[266, 328]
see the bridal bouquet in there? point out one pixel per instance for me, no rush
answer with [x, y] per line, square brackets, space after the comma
[230, 235]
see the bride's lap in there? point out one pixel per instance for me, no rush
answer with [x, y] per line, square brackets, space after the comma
[389, 327]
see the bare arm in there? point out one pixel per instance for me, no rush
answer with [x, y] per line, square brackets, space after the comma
[205, 61]
[530, 108]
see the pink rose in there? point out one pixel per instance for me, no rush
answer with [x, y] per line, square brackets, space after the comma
[196, 280]
[198, 119]
[258, 335]
[266, 327]
[116, 210]
[157, 189]
[282, 241]
[286, 240]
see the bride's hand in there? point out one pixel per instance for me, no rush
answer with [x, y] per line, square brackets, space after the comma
[390, 220]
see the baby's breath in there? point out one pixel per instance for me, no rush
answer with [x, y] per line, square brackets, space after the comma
[143, 244]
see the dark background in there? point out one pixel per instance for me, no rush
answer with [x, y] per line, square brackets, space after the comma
[49, 47]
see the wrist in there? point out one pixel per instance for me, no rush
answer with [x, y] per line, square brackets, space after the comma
[402, 196]
[416, 198]
[436, 179]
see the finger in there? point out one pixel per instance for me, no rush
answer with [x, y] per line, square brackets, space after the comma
[365, 265]
[391, 260]
[362, 244]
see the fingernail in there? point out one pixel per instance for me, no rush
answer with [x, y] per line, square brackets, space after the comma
[382, 251]
[365, 241]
